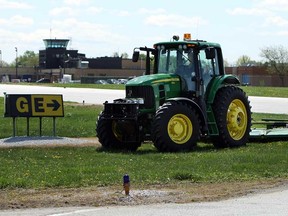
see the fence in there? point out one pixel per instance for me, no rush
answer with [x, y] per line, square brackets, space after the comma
[263, 80]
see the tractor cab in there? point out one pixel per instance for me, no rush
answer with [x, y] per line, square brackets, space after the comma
[196, 62]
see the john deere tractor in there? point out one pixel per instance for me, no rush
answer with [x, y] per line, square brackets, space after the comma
[184, 98]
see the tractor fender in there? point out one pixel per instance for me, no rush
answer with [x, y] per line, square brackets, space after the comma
[219, 82]
[194, 105]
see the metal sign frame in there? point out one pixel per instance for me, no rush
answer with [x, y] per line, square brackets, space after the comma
[33, 105]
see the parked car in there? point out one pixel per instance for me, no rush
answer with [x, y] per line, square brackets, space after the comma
[43, 80]
[122, 81]
[112, 81]
[101, 82]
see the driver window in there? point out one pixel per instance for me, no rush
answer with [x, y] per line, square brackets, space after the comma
[186, 68]
[167, 61]
[208, 67]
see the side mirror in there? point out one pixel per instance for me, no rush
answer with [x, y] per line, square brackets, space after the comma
[135, 56]
[210, 53]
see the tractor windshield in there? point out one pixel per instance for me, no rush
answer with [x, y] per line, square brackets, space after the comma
[174, 60]
[178, 61]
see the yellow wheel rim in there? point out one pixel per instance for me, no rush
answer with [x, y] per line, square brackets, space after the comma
[237, 119]
[180, 128]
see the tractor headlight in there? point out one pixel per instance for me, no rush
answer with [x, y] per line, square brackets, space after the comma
[136, 100]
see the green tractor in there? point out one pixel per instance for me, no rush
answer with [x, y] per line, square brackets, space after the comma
[187, 97]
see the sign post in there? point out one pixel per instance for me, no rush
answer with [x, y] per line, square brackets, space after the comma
[35, 105]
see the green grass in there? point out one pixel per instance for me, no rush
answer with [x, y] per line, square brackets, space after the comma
[79, 121]
[266, 91]
[86, 166]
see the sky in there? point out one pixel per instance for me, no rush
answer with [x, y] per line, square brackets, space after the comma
[100, 28]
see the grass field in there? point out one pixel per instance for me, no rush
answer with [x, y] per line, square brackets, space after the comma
[87, 166]
[90, 166]
[266, 91]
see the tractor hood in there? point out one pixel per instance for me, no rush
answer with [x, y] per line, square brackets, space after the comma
[155, 88]
[155, 79]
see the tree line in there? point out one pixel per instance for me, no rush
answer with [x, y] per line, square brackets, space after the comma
[275, 58]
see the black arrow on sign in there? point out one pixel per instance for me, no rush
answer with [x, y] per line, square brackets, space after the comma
[55, 105]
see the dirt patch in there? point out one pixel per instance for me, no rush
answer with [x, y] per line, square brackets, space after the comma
[107, 196]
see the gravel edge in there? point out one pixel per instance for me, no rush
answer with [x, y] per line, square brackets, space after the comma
[21, 141]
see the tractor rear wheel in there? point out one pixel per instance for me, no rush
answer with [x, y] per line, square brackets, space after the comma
[110, 135]
[233, 117]
[175, 128]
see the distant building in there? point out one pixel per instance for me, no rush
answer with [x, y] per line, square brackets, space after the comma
[105, 62]
[56, 55]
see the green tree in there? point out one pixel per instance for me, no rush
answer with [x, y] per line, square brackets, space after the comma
[3, 64]
[277, 59]
[28, 59]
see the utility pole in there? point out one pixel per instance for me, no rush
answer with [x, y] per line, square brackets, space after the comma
[1, 64]
[16, 67]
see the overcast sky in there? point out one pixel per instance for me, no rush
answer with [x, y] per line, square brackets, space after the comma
[101, 27]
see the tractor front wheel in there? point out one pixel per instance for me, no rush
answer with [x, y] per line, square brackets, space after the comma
[176, 127]
[110, 134]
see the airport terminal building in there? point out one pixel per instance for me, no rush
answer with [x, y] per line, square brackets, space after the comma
[56, 60]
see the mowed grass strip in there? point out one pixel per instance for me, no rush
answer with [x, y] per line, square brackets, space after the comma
[266, 91]
[88, 166]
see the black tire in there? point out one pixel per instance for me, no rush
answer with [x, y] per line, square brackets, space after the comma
[110, 137]
[175, 128]
[233, 117]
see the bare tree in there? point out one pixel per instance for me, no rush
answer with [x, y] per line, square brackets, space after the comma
[115, 54]
[226, 63]
[124, 55]
[277, 59]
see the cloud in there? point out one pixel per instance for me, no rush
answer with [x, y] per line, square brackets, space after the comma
[174, 20]
[5, 4]
[123, 13]
[282, 33]
[149, 11]
[17, 21]
[67, 11]
[77, 2]
[95, 10]
[248, 11]
[281, 5]
[86, 31]
[261, 8]
[276, 21]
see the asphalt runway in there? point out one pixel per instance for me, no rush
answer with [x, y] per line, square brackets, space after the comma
[99, 96]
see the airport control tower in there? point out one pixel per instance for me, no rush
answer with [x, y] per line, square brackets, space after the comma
[56, 54]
